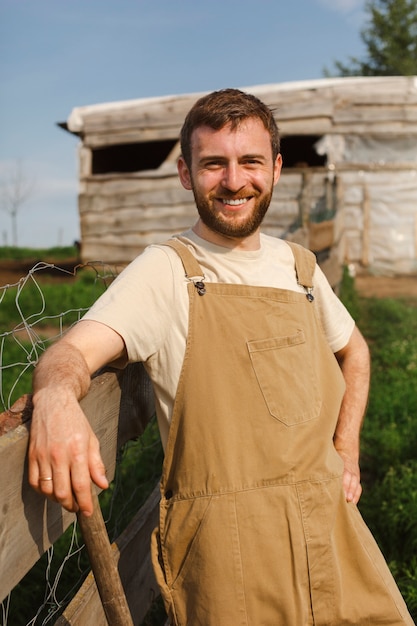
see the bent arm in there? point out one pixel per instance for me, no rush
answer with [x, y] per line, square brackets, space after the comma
[355, 365]
[62, 444]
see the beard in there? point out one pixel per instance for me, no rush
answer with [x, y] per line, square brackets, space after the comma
[232, 226]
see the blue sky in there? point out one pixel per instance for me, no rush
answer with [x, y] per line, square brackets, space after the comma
[59, 54]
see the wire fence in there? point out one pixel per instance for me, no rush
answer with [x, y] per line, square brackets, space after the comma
[35, 310]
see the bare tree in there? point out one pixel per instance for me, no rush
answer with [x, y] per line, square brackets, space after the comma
[15, 189]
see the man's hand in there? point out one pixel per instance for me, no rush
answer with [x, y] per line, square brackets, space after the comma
[351, 478]
[64, 453]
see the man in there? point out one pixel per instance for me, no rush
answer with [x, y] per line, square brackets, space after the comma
[261, 382]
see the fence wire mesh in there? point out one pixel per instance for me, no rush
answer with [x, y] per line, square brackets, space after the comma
[35, 310]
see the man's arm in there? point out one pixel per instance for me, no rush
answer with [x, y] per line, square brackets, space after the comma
[62, 444]
[355, 365]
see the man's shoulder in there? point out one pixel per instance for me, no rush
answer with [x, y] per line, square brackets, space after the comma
[277, 246]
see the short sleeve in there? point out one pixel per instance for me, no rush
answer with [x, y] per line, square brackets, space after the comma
[139, 305]
[336, 321]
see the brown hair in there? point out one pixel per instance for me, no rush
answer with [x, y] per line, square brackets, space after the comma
[227, 106]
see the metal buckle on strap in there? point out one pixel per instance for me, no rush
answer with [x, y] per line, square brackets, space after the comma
[198, 282]
[309, 294]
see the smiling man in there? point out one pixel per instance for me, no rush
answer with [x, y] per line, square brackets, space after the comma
[261, 381]
[232, 185]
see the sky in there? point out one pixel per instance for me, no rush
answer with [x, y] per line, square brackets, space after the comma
[56, 55]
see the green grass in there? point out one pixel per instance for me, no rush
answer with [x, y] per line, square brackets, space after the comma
[389, 436]
[34, 312]
[10, 253]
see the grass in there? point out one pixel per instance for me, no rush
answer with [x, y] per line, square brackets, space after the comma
[389, 436]
[33, 312]
[10, 253]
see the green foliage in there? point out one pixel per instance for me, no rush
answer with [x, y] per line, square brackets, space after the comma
[12, 253]
[33, 313]
[396, 520]
[138, 471]
[390, 39]
[349, 295]
[389, 436]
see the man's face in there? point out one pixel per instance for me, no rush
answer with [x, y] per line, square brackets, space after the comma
[232, 177]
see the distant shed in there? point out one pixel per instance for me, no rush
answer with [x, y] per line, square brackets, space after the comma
[348, 188]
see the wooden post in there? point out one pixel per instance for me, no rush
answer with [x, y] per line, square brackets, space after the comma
[366, 208]
[104, 567]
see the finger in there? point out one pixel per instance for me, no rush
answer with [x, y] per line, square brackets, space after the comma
[40, 477]
[81, 485]
[81, 480]
[348, 485]
[62, 489]
[97, 467]
[46, 482]
[34, 467]
[352, 487]
[357, 494]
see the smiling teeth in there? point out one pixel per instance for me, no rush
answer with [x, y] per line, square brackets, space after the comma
[235, 202]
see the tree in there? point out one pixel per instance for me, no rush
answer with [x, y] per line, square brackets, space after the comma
[15, 188]
[390, 38]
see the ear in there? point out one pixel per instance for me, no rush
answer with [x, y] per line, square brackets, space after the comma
[184, 174]
[277, 168]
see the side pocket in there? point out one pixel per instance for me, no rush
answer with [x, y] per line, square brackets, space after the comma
[284, 368]
[160, 575]
[182, 525]
[157, 563]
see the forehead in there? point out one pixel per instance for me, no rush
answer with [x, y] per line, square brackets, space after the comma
[249, 137]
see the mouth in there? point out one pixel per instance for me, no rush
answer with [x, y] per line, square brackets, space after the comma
[235, 202]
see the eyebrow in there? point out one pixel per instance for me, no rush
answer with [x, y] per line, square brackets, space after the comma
[219, 157]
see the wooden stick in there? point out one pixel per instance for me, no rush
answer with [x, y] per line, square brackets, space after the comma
[104, 566]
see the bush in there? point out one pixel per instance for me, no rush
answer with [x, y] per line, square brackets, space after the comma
[389, 435]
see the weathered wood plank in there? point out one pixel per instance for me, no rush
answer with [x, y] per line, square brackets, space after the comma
[30, 523]
[119, 184]
[165, 111]
[131, 550]
[131, 135]
[306, 107]
[375, 114]
[344, 122]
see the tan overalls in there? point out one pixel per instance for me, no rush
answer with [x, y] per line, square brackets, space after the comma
[254, 527]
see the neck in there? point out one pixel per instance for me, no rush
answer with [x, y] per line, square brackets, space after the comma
[250, 243]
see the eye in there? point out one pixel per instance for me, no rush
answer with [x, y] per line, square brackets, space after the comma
[252, 161]
[213, 164]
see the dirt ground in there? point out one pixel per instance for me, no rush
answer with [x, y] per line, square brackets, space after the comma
[12, 271]
[386, 286]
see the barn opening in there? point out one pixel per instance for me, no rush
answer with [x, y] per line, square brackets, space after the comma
[298, 151]
[131, 157]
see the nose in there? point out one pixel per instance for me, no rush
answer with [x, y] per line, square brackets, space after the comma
[233, 177]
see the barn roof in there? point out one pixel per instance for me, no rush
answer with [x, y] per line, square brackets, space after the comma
[334, 105]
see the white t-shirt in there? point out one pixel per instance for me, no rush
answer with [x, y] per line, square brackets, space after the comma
[147, 304]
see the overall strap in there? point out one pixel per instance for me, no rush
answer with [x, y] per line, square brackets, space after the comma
[305, 264]
[191, 266]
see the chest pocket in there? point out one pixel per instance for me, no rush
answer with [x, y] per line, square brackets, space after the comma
[285, 373]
